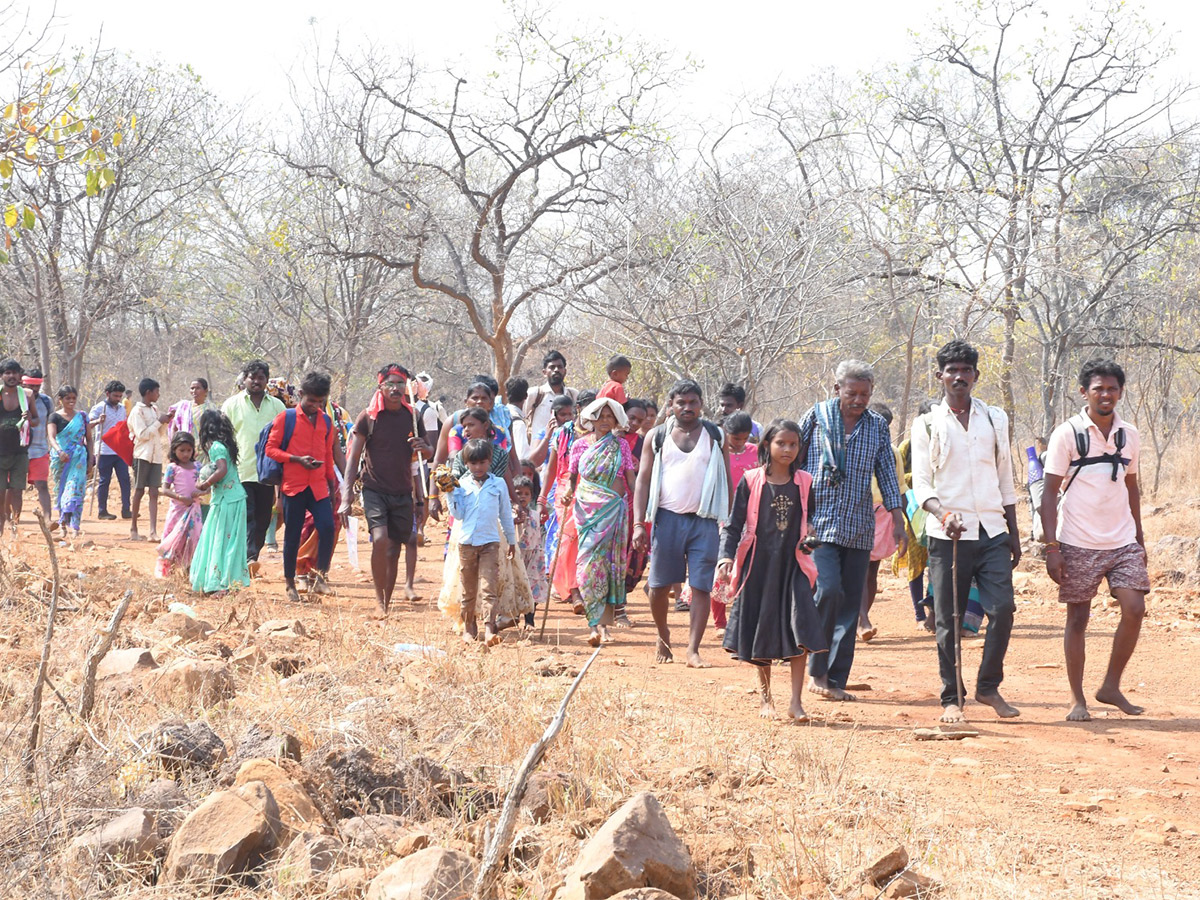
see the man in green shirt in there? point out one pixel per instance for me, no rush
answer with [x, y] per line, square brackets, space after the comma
[251, 410]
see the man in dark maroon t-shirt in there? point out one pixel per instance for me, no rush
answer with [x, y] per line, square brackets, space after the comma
[382, 444]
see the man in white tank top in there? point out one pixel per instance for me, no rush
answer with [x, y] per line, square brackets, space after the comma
[683, 489]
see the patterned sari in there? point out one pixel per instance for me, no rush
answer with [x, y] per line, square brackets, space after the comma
[602, 523]
[71, 476]
[563, 440]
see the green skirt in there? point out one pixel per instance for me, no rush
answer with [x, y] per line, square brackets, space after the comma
[220, 559]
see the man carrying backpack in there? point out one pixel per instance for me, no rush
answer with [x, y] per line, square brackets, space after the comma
[682, 490]
[251, 410]
[303, 442]
[1093, 457]
[962, 477]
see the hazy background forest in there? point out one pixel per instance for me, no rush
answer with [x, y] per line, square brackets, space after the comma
[1011, 176]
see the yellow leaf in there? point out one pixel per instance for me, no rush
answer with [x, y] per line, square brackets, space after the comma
[133, 121]
[6, 168]
[10, 217]
[117, 138]
[95, 135]
[31, 146]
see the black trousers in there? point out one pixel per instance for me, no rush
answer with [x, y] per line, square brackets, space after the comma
[260, 501]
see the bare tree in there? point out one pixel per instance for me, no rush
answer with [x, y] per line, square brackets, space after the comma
[500, 177]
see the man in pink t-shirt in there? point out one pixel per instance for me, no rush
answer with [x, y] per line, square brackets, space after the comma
[1096, 528]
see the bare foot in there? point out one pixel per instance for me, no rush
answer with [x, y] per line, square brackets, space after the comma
[622, 621]
[490, 638]
[662, 652]
[927, 623]
[606, 635]
[153, 537]
[818, 687]
[254, 567]
[411, 595]
[952, 715]
[797, 714]
[766, 709]
[1114, 697]
[1079, 713]
[838, 695]
[133, 536]
[695, 662]
[292, 594]
[866, 635]
[577, 609]
[1003, 709]
[593, 638]
[468, 638]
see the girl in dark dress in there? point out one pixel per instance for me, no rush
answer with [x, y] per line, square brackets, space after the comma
[771, 574]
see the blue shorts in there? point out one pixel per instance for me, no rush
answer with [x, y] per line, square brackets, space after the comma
[683, 546]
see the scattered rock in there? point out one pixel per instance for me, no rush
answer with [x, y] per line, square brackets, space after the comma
[878, 872]
[644, 893]
[1151, 837]
[548, 793]
[910, 884]
[247, 658]
[226, 834]
[183, 626]
[125, 662]
[636, 847]
[188, 682]
[949, 733]
[432, 874]
[411, 842]
[348, 883]
[361, 781]
[297, 811]
[308, 859]
[287, 665]
[166, 802]
[131, 837]
[283, 628]
[374, 831]
[553, 667]
[179, 747]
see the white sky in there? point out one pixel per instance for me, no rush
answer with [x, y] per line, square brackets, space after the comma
[244, 49]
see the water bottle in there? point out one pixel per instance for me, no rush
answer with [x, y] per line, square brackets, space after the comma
[1036, 472]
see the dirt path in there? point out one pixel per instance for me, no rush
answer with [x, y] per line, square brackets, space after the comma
[1034, 806]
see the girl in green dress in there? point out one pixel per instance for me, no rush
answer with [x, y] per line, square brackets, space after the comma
[220, 559]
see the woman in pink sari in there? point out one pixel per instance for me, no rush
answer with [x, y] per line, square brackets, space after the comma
[602, 470]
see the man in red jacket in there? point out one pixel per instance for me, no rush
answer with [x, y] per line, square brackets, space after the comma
[308, 463]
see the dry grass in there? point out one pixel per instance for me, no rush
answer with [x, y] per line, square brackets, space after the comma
[810, 806]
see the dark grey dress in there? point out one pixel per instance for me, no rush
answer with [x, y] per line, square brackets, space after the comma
[773, 615]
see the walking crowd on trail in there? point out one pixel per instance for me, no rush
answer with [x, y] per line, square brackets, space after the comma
[776, 531]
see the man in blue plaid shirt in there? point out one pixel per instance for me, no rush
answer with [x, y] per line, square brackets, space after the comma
[847, 444]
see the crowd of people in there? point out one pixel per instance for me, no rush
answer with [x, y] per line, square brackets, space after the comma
[775, 532]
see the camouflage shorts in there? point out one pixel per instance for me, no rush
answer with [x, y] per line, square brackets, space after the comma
[1125, 567]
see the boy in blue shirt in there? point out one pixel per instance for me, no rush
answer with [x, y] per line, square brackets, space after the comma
[478, 504]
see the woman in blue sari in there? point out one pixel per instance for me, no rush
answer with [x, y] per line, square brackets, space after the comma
[70, 437]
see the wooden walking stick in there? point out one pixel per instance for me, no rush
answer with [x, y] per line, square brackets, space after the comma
[958, 677]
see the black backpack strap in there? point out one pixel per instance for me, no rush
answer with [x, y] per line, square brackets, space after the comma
[1083, 443]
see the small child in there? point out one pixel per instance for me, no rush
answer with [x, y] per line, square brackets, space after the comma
[181, 532]
[618, 369]
[772, 576]
[532, 541]
[743, 456]
[479, 503]
[148, 429]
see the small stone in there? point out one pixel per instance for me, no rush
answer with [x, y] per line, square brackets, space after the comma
[125, 662]
[374, 831]
[884, 867]
[1171, 828]
[129, 838]
[411, 842]
[247, 659]
[1063, 789]
[549, 793]
[347, 883]
[910, 884]
[285, 628]
[191, 682]
[183, 626]
[307, 860]
[1151, 837]
[432, 874]
[297, 811]
[165, 801]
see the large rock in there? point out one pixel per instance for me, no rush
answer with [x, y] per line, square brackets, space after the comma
[131, 837]
[181, 625]
[885, 866]
[125, 662]
[193, 682]
[636, 847]
[178, 746]
[297, 811]
[347, 884]
[306, 862]
[227, 834]
[433, 874]
[361, 782]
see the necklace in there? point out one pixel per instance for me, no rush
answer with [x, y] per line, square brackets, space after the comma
[957, 412]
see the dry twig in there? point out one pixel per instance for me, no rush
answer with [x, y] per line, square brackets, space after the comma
[35, 706]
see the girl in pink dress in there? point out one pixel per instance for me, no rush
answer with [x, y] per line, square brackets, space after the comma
[181, 533]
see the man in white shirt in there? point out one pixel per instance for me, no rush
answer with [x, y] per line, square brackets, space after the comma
[516, 392]
[1094, 458]
[962, 476]
[148, 428]
[538, 404]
